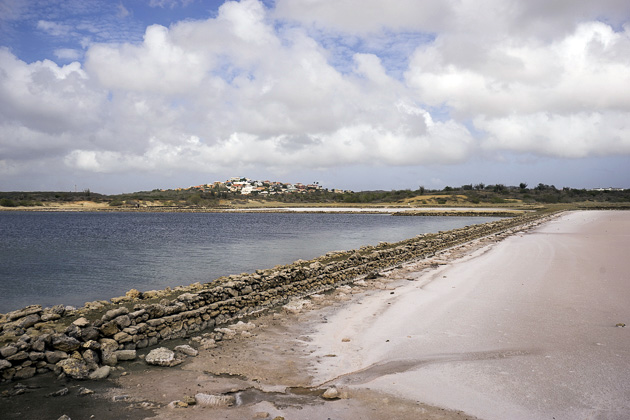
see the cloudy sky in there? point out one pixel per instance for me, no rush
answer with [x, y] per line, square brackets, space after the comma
[129, 95]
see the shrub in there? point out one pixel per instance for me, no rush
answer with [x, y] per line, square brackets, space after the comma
[5, 202]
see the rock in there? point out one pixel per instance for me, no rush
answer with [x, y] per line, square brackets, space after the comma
[177, 404]
[64, 343]
[228, 333]
[109, 328]
[207, 400]
[28, 321]
[64, 417]
[187, 350]
[91, 359]
[58, 310]
[60, 393]
[81, 322]
[122, 337]
[18, 357]
[75, 368]
[29, 310]
[53, 357]
[133, 294]
[208, 343]
[100, 373]
[50, 317]
[91, 345]
[242, 326]
[38, 345]
[89, 333]
[113, 313]
[261, 415]
[190, 400]
[25, 373]
[331, 393]
[125, 355]
[8, 350]
[122, 321]
[4, 364]
[108, 351]
[162, 357]
[85, 391]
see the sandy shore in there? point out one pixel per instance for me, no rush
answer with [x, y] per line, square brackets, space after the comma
[522, 328]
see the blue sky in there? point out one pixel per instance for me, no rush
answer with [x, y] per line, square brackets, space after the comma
[121, 96]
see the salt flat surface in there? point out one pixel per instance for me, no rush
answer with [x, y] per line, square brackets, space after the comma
[523, 330]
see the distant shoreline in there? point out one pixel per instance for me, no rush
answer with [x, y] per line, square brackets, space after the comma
[398, 211]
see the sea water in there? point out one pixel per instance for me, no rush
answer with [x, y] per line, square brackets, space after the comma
[71, 258]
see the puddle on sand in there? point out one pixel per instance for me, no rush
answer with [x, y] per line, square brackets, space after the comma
[291, 397]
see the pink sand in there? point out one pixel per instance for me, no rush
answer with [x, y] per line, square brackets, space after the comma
[524, 329]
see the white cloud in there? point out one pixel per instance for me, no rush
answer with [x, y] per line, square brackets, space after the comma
[244, 90]
[54, 28]
[67, 54]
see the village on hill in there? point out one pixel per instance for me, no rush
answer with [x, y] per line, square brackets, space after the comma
[246, 186]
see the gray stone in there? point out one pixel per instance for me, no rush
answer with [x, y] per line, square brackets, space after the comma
[38, 345]
[122, 337]
[29, 310]
[108, 351]
[64, 343]
[8, 350]
[125, 355]
[17, 357]
[109, 328]
[28, 321]
[331, 393]
[161, 357]
[100, 373]
[25, 373]
[85, 391]
[4, 364]
[50, 317]
[81, 322]
[187, 350]
[113, 313]
[53, 357]
[122, 321]
[91, 359]
[60, 393]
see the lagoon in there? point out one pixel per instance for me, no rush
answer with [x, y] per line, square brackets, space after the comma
[74, 257]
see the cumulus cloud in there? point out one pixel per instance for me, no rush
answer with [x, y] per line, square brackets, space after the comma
[255, 87]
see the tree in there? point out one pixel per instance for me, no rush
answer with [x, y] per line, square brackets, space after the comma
[522, 185]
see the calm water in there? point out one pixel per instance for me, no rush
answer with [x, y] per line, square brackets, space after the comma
[72, 258]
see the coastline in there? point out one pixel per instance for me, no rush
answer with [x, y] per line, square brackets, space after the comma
[364, 339]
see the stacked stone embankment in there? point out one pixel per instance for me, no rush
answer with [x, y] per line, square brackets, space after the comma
[82, 343]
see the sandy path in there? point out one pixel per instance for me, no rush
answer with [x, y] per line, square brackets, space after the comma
[526, 330]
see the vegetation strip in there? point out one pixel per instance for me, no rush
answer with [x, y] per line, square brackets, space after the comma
[79, 342]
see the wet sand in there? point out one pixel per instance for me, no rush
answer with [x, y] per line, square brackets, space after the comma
[521, 328]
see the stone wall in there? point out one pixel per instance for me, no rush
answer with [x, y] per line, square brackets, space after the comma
[77, 342]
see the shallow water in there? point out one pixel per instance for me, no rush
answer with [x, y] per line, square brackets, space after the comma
[71, 258]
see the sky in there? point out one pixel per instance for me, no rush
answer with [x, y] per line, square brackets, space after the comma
[131, 95]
